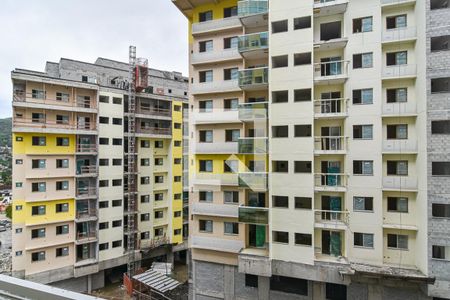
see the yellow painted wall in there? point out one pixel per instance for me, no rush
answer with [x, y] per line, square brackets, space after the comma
[218, 161]
[216, 8]
[177, 170]
[24, 215]
[25, 146]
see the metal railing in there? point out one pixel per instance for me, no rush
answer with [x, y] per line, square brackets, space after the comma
[330, 143]
[330, 180]
[83, 170]
[331, 68]
[328, 107]
[86, 213]
[331, 216]
[154, 111]
[252, 7]
[254, 41]
[154, 130]
[21, 96]
[254, 77]
[86, 192]
[85, 148]
[90, 235]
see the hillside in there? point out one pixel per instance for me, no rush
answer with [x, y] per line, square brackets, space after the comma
[5, 132]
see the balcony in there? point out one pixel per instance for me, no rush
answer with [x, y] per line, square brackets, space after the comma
[392, 3]
[399, 72]
[254, 79]
[215, 56]
[330, 219]
[330, 145]
[330, 182]
[214, 87]
[332, 72]
[253, 145]
[330, 108]
[216, 148]
[399, 109]
[155, 131]
[217, 25]
[153, 111]
[212, 209]
[406, 146]
[42, 125]
[216, 244]
[22, 99]
[83, 237]
[332, 44]
[253, 111]
[255, 261]
[405, 34]
[253, 13]
[210, 179]
[329, 7]
[216, 116]
[86, 148]
[254, 46]
[253, 215]
[86, 214]
[86, 192]
[253, 181]
[400, 183]
[86, 171]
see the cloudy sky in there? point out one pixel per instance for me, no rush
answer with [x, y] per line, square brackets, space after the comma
[35, 31]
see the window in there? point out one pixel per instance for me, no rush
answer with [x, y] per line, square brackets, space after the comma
[18, 184]
[38, 141]
[440, 43]
[62, 163]
[103, 120]
[64, 97]
[441, 210]
[159, 144]
[206, 76]
[116, 182]
[397, 241]
[303, 203]
[232, 135]
[19, 161]
[159, 197]
[280, 96]
[177, 161]
[103, 141]
[397, 95]
[38, 164]
[62, 119]
[335, 291]
[302, 22]
[364, 132]
[145, 162]
[206, 165]
[363, 240]
[19, 139]
[19, 253]
[116, 223]
[145, 180]
[302, 167]
[205, 106]
[38, 256]
[103, 246]
[18, 207]
[18, 230]
[439, 4]
[177, 178]
[38, 187]
[302, 59]
[38, 233]
[362, 167]
[397, 58]
[205, 16]
[280, 131]
[38, 94]
[63, 251]
[177, 214]
[145, 217]
[398, 131]
[440, 127]
[103, 204]
[280, 166]
[280, 237]
[117, 142]
[117, 162]
[231, 104]
[230, 166]
[62, 207]
[158, 232]
[251, 280]
[206, 136]
[363, 96]
[397, 204]
[230, 42]
[230, 12]
[440, 168]
[280, 201]
[103, 225]
[397, 167]
[302, 95]
[279, 61]
[440, 85]
[363, 60]
[145, 235]
[62, 141]
[302, 130]
[363, 204]
[103, 183]
[62, 185]
[62, 229]
[117, 100]
[206, 46]
[116, 244]
[159, 161]
[206, 196]
[231, 228]
[289, 285]
[177, 196]
[117, 121]
[206, 225]
[362, 25]
[441, 252]
[230, 197]
[145, 144]
[280, 26]
[303, 239]
[103, 99]
[394, 22]
[145, 199]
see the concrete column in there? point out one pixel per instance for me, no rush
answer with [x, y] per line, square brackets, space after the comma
[375, 292]
[228, 282]
[263, 288]
[317, 288]
[170, 257]
[89, 283]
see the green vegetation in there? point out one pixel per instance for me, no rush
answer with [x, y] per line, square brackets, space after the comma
[5, 132]
[5, 153]
[9, 212]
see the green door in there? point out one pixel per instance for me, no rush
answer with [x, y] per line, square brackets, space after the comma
[260, 236]
[335, 243]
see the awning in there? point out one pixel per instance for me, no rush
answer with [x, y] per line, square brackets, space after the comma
[157, 281]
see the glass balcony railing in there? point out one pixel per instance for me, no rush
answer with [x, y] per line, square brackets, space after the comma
[253, 145]
[252, 7]
[254, 41]
[252, 111]
[252, 180]
[253, 215]
[253, 77]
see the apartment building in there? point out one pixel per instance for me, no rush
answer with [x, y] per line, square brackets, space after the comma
[70, 171]
[337, 185]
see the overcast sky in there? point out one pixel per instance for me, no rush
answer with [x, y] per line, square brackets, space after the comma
[35, 31]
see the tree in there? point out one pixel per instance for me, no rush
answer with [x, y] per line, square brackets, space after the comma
[9, 212]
